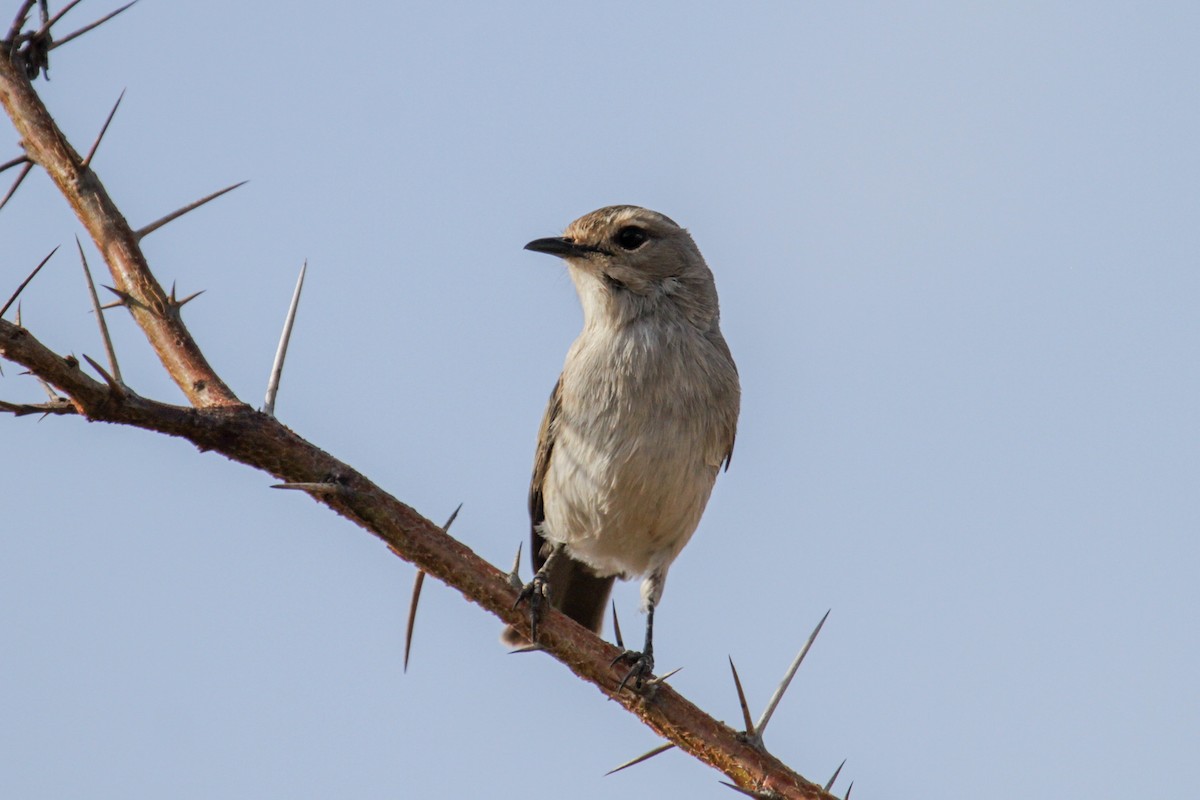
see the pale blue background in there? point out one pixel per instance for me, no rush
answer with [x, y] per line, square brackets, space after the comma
[957, 251]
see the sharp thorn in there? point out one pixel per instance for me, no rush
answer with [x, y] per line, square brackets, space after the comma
[117, 304]
[281, 352]
[54, 396]
[416, 595]
[412, 615]
[315, 488]
[617, 627]
[787, 679]
[10, 164]
[17, 183]
[116, 388]
[48, 24]
[90, 27]
[25, 282]
[740, 790]
[529, 648]
[181, 303]
[662, 678]
[87, 161]
[450, 520]
[849, 789]
[514, 577]
[737, 682]
[108, 345]
[834, 776]
[662, 748]
[18, 320]
[126, 299]
[146, 230]
[22, 14]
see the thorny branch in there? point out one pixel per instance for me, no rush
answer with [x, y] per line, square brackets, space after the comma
[217, 420]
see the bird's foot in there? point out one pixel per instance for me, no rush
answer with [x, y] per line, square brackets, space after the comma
[536, 592]
[641, 669]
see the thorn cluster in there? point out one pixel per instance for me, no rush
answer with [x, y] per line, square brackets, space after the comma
[31, 49]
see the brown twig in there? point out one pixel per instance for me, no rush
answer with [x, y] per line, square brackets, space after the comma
[258, 440]
[45, 144]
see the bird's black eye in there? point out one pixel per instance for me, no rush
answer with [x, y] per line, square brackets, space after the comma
[631, 237]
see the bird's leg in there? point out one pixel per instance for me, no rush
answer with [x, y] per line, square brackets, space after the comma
[643, 662]
[537, 590]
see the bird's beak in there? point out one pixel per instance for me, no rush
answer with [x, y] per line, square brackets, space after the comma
[558, 246]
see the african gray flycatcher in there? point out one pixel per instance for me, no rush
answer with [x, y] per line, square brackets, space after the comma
[641, 420]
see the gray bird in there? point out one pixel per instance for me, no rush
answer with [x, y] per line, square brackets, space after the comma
[640, 422]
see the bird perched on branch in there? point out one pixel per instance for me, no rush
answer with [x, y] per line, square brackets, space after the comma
[640, 422]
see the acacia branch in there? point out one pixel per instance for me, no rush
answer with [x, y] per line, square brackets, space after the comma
[258, 440]
[46, 146]
[219, 422]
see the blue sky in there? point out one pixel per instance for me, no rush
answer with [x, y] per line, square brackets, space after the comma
[956, 248]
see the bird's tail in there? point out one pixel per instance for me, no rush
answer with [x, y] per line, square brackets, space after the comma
[576, 591]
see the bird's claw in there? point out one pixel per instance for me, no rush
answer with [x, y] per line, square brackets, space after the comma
[536, 591]
[641, 669]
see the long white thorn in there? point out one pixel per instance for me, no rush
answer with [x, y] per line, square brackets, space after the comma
[662, 748]
[787, 679]
[281, 352]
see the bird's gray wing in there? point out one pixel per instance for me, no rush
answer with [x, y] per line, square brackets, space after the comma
[729, 431]
[541, 465]
[574, 588]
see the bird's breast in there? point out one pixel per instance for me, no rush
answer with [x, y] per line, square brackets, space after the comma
[633, 461]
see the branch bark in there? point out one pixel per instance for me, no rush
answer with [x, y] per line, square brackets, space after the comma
[217, 420]
[46, 146]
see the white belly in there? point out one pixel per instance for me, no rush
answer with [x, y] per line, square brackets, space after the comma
[636, 452]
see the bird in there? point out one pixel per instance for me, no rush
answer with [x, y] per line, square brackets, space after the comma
[640, 422]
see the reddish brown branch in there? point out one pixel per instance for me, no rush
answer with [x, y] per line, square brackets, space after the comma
[46, 146]
[218, 421]
[258, 440]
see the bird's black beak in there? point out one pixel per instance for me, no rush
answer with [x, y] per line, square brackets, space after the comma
[558, 246]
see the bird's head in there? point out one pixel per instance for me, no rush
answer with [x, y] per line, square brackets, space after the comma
[628, 261]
